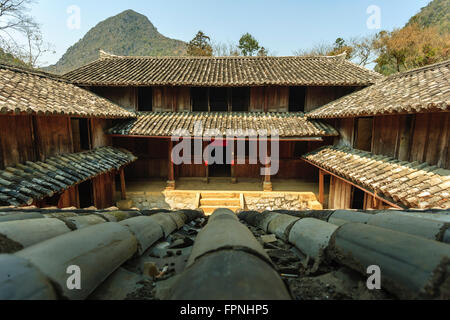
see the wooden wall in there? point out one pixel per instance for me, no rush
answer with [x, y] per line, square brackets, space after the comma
[340, 196]
[420, 137]
[269, 99]
[69, 198]
[36, 138]
[171, 99]
[152, 157]
[16, 140]
[98, 136]
[123, 96]
[262, 99]
[319, 96]
[53, 136]
[104, 188]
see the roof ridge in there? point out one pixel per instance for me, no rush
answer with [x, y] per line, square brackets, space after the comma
[106, 55]
[33, 72]
[417, 70]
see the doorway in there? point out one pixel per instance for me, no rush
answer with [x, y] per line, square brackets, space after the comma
[86, 194]
[222, 169]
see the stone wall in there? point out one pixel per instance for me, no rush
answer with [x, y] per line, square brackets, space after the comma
[148, 200]
[281, 201]
[255, 201]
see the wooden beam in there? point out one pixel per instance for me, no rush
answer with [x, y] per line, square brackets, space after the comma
[321, 187]
[170, 168]
[122, 184]
[267, 177]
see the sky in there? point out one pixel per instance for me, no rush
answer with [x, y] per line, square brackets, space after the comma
[282, 26]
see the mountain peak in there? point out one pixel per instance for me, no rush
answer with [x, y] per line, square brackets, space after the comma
[127, 33]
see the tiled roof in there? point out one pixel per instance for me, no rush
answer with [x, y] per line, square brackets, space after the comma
[23, 184]
[34, 92]
[412, 185]
[422, 90]
[164, 124]
[112, 70]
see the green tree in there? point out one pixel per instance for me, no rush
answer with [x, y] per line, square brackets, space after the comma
[248, 45]
[263, 52]
[340, 47]
[200, 45]
[411, 47]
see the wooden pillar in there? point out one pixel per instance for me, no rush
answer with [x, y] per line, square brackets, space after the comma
[233, 166]
[267, 178]
[206, 161]
[171, 174]
[321, 187]
[122, 185]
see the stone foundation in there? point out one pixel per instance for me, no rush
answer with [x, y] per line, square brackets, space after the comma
[281, 201]
[255, 201]
[148, 200]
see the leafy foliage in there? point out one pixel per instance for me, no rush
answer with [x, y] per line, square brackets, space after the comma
[436, 13]
[128, 33]
[248, 45]
[200, 46]
[410, 47]
[10, 59]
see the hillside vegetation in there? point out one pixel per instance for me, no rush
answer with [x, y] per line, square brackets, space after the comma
[128, 33]
[436, 13]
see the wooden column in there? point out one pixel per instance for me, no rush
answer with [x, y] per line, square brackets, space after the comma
[233, 165]
[122, 184]
[206, 163]
[267, 177]
[321, 187]
[170, 174]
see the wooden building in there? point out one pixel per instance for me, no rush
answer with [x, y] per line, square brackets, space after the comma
[224, 93]
[53, 150]
[392, 150]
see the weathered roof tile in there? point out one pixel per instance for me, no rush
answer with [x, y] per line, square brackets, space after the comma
[422, 90]
[34, 92]
[31, 181]
[111, 70]
[165, 124]
[419, 187]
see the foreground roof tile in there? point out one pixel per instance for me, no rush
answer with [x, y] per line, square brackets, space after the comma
[411, 185]
[165, 124]
[111, 70]
[421, 90]
[24, 91]
[25, 183]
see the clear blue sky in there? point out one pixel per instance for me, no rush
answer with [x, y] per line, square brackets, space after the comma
[283, 26]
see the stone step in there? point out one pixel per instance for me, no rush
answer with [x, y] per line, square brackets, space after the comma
[220, 202]
[219, 195]
[209, 210]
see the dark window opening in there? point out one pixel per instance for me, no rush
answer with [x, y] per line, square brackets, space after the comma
[86, 194]
[81, 134]
[297, 97]
[363, 134]
[301, 148]
[52, 201]
[358, 198]
[199, 99]
[220, 170]
[218, 99]
[145, 99]
[240, 99]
